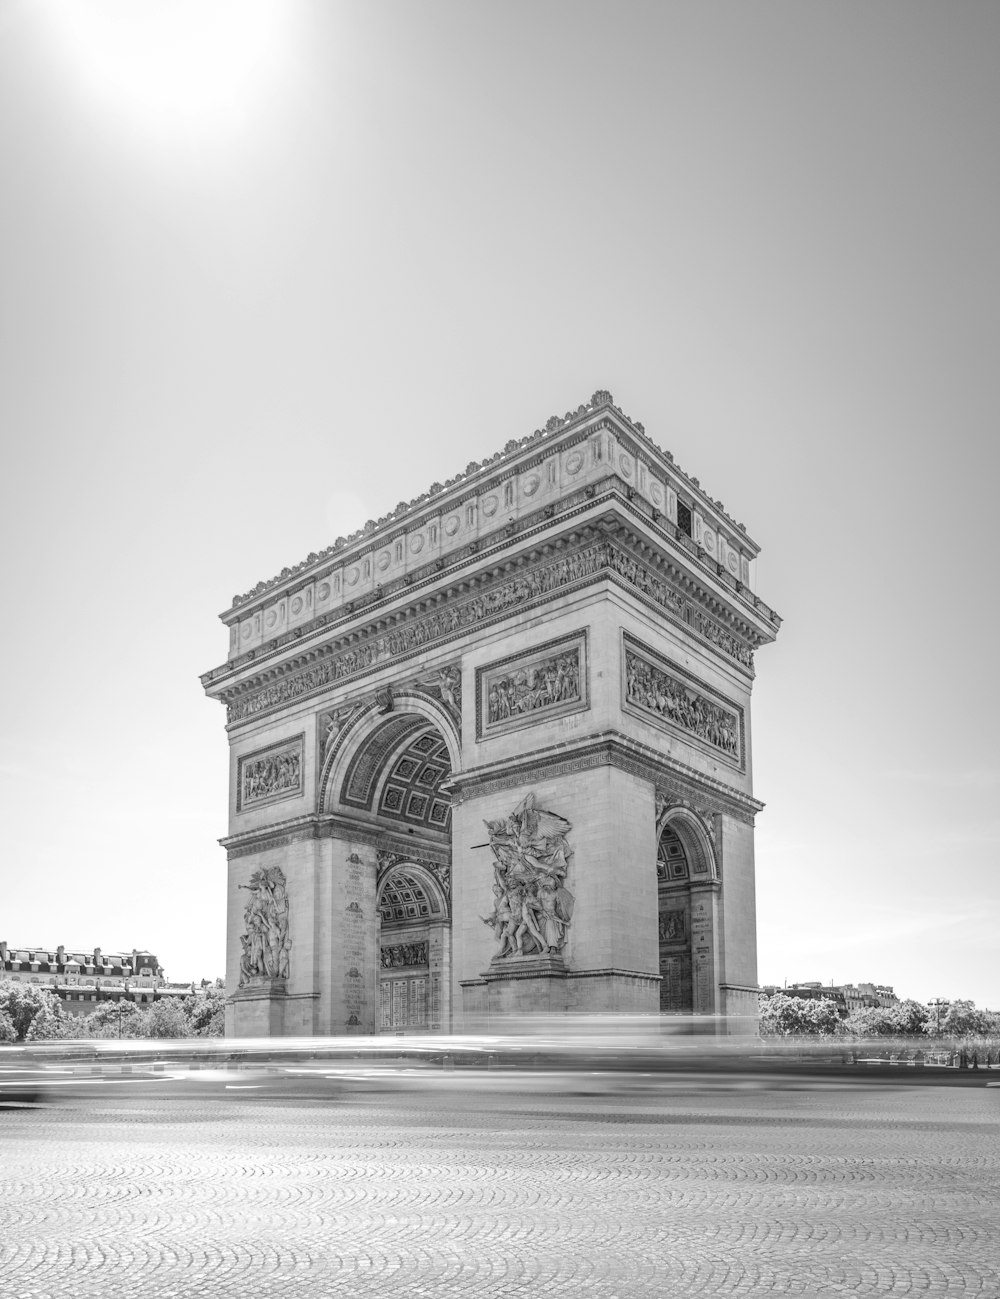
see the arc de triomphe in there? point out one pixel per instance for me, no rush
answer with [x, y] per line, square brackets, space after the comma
[491, 754]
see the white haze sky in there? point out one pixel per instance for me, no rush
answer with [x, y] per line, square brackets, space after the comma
[267, 269]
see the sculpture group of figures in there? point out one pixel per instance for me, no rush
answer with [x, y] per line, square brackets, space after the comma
[555, 680]
[446, 684]
[672, 927]
[651, 688]
[265, 941]
[532, 907]
[274, 774]
[402, 954]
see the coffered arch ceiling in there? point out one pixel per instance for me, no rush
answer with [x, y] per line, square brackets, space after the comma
[398, 774]
[684, 850]
[406, 896]
[671, 859]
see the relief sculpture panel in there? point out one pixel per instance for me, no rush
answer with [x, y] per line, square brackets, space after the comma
[403, 954]
[270, 774]
[670, 697]
[518, 691]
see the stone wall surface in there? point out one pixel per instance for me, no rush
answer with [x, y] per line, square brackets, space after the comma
[738, 903]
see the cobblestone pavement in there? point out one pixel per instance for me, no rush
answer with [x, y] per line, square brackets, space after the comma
[833, 1192]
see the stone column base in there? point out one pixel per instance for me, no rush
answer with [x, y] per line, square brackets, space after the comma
[516, 990]
[740, 1007]
[258, 1008]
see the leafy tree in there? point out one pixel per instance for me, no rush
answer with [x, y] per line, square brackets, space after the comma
[901, 1020]
[8, 1033]
[116, 1019]
[784, 1016]
[206, 1013]
[50, 1024]
[21, 1002]
[912, 1016]
[964, 1019]
[166, 1019]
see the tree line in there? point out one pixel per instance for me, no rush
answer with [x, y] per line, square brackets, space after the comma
[784, 1016]
[29, 1013]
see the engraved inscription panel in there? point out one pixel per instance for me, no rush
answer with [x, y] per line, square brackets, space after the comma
[404, 1003]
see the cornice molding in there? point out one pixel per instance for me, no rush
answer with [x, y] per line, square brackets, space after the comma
[518, 455]
[560, 567]
[614, 972]
[611, 491]
[332, 825]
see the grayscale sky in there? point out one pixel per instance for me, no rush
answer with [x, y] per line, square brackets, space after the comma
[268, 268]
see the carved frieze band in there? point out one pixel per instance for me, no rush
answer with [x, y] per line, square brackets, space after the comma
[660, 690]
[271, 774]
[460, 614]
[549, 681]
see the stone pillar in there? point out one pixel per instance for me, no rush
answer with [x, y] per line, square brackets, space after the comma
[705, 948]
[609, 959]
[438, 977]
[273, 1006]
[738, 923]
[347, 937]
[360, 939]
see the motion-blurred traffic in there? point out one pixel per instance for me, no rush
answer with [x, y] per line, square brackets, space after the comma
[631, 1057]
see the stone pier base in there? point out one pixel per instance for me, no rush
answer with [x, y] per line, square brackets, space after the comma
[258, 1009]
[518, 989]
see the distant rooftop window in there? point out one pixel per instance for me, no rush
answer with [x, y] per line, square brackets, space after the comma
[684, 518]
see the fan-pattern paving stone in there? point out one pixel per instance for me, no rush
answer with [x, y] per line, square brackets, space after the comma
[836, 1192]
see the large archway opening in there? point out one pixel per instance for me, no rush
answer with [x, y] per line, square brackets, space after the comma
[392, 777]
[397, 775]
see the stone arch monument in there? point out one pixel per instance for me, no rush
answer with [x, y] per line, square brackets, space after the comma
[490, 755]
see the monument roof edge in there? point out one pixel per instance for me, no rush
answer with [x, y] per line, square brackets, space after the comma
[475, 475]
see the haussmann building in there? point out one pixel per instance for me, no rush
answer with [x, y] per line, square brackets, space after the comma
[490, 756]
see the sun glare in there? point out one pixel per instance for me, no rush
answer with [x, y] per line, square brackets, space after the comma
[193, 67]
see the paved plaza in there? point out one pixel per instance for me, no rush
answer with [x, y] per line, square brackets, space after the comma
[184, 1194]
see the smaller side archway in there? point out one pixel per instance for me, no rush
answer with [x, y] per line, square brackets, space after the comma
[414, 948]
[686, 887]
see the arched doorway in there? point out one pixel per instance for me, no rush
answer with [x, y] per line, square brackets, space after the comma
[673, 889]
[414, 948]
[686, 883]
